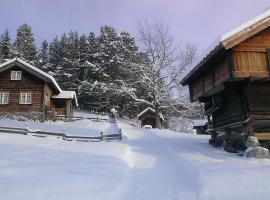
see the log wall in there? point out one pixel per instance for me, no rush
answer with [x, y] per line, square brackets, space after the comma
[28, 83]
[216, 75]
[258, 98]
[232, 109]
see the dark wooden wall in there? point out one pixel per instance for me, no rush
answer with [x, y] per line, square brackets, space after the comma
[218, 73]
[232, 109]
[258, 99]
[29, 83]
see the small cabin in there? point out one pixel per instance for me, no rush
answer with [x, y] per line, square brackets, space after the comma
[200, 125]
[28, 91]
[148, 117]
[233, 80]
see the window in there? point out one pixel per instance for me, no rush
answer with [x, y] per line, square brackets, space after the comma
[4, 97]
[16, 75]
[25, 98]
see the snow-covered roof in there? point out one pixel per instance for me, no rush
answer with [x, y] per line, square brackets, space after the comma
[224, 41]
[66, 95]
[199, 122]
[41, 74]
[149, 109]
[246, 25]
[30, 68]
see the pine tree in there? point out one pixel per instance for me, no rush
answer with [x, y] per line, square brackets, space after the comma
[5, 45]
[109, 60]
[55, 55]
[71, 62]
[60, 57]
[43, 55]
[24, 45]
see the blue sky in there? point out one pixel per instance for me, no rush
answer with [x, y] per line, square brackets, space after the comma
[193, 21]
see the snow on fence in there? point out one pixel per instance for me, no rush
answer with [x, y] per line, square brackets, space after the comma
[39, 133]
[65, 132]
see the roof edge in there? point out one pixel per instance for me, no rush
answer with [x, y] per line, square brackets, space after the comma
[261, 22]
[19, 61]
[195, 70]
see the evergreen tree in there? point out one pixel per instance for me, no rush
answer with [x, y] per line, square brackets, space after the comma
[55, 55]
[5, 45]
[61, 56]
[43, 55]
[109, 60]
[71, 62]
[24, 45]
[94, 67]
[83, 49]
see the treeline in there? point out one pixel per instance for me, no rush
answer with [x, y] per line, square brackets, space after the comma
[93, 65]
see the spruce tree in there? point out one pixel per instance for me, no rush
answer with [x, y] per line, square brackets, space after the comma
[43, 55]
[5, 45]
[83, 57]
[55, 55]
[109, 59]
[71, 63]
[24, 45]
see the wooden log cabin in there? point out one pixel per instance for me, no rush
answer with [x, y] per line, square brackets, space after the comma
[27, 91]
[233, 80]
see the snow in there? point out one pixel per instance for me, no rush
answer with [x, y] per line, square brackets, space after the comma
[66, 95]
[246, 25]
[199, 122]
[62, 94]
[153, 110]
[220, 40]
[146, 164]
[32, 68]
[83, 128]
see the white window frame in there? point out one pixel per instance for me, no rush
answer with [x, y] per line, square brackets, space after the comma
[16, 75]
[25, 98]
[4, 98]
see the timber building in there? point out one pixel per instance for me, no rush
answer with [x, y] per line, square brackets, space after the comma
[27, 91]
[148, 117]
[233, 80]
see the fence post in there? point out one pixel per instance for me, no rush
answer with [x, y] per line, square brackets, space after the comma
[101, 135]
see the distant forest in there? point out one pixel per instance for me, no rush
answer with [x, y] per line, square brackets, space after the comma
[95, 66]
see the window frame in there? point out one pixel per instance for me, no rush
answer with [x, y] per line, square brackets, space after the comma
[16, 75]
[25, 96]
[3, 98]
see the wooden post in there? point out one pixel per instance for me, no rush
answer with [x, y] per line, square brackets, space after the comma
[248, 124]
[157, 117]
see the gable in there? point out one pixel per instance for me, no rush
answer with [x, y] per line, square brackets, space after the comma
[259, 42]
[31, 69]
[246, 30]
[27, 78]
[251, 56]
[229, 40]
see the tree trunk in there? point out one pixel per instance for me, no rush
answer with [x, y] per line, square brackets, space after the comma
[157, 117]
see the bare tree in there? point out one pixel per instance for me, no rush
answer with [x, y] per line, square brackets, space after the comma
[161, 76]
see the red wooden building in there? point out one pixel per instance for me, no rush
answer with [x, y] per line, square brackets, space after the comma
[233, 80]
[27, 91]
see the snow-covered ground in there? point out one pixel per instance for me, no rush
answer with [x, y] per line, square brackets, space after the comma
[90, 125]
[146, 164]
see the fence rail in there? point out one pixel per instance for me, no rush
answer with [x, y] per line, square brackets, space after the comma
[39, 133]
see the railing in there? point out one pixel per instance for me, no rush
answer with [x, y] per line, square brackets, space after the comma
[38, 133]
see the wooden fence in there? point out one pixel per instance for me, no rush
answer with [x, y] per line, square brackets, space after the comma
[39, 133]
